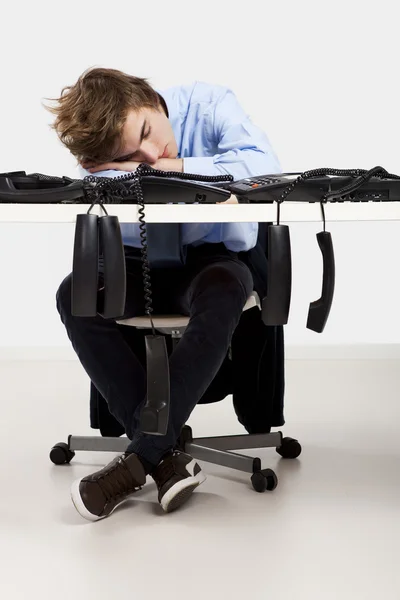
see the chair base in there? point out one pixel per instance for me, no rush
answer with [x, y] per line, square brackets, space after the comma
[215, 450]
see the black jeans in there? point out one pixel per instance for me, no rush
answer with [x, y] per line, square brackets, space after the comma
[212, 289]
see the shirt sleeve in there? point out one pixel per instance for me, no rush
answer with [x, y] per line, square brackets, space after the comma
[243, 148]
[109, 173]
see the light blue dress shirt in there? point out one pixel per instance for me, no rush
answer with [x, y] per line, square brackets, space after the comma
[214, 137]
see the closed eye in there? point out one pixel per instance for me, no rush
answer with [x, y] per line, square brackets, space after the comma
[144, 136]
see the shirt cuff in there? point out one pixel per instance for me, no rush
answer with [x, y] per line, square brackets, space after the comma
[202, 165]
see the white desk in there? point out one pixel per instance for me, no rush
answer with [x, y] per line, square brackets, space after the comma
[206, 213]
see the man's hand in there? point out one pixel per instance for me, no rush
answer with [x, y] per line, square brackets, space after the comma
[163, 164]
[169, 164]
[231, 200]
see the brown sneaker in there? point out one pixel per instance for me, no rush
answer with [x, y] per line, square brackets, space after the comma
[96, 496]
[176, 476]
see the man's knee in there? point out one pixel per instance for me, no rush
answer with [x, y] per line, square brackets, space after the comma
[63, 296]
[230, 278]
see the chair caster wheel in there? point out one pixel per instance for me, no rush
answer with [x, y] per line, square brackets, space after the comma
[290, 448]
[264, 480]
[60, 454]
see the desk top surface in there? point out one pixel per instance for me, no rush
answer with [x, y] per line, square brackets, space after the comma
[206, 213]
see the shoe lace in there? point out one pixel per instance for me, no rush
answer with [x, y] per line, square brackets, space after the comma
[118, 481]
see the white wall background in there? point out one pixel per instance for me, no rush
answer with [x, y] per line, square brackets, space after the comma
[321, 79]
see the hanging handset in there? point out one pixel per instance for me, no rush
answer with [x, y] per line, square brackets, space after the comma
[319, 310]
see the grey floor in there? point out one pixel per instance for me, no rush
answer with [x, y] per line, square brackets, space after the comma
[331, 530]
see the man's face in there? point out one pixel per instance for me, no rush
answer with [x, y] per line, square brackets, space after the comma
[147, 136]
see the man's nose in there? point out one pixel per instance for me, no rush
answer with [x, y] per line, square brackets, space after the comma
[149, 152]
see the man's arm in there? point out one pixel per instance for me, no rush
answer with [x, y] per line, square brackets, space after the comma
[113, 169]
[243, 149]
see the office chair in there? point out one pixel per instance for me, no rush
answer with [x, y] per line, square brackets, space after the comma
[218, 450]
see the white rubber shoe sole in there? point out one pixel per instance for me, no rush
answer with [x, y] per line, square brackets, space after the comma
[181, 491]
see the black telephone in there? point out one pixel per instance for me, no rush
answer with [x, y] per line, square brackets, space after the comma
[158, 187]
[268, 188]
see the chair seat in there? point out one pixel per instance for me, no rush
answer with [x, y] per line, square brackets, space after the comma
[175, 321]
